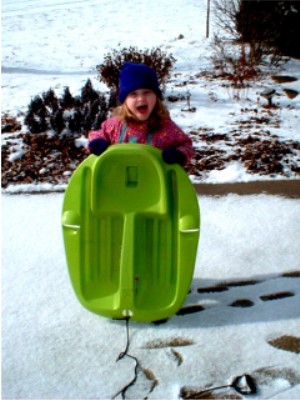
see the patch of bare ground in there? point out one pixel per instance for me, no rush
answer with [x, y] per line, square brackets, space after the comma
[213, 289]
[266, 375]
[291, 274]
[178, 357]
[247, 282]
[291, 93]
[276, 296]
[45, 158]
[151, 377]
[287, 343]
[249, 142]
[224, 286]
[283, 78]
[187, 393]
[243, 384]
[190, 309]
[174, 342]
[243, 303]
[9, 124]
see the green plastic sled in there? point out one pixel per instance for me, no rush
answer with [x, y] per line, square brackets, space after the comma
[131, 229]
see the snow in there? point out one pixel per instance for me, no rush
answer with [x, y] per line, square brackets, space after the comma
[52, 348]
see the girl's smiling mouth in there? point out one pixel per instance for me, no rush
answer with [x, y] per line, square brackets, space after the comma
[143, 108]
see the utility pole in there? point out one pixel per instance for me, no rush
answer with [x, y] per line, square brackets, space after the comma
[207, 18]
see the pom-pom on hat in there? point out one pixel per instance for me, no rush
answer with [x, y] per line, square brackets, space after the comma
[137, 76]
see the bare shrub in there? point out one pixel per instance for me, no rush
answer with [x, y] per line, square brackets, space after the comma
[155, 58]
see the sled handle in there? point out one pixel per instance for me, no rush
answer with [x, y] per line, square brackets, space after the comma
[70, 226]
[188, 224]
[70, 220]
[189, 230]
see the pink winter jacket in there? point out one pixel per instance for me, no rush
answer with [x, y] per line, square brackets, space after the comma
[137, 132]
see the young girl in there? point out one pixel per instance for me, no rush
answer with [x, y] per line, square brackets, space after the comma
[141, 117]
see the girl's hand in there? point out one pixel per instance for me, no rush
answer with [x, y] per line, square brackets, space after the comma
[171, 155]
[98, 146]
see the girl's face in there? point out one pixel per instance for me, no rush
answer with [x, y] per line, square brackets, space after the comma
[141, 103]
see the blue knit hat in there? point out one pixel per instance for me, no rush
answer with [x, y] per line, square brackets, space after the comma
[137, 76]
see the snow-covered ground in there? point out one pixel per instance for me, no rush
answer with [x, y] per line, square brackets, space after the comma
[247, 271]
[52, 348]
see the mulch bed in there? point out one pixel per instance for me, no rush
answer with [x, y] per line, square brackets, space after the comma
[47, 158]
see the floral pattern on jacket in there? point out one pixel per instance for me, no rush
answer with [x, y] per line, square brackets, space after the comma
[168, 135]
